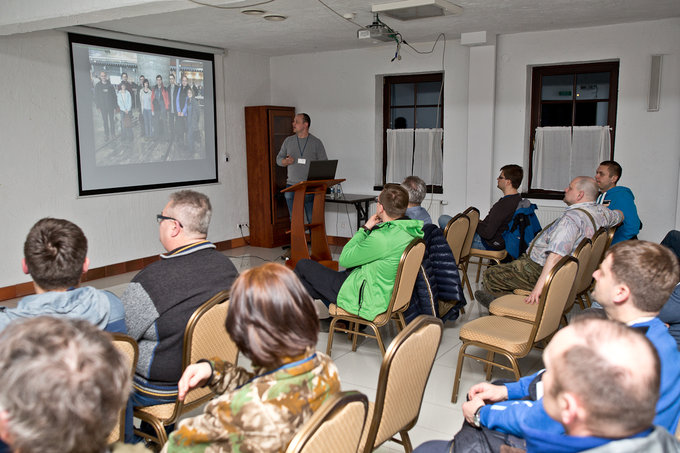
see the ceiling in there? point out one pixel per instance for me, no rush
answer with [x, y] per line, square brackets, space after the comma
[312, 27]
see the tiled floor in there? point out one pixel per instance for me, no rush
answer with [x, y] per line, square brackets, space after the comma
[439, 418]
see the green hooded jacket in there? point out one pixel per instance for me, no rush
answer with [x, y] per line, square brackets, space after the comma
[375, 256]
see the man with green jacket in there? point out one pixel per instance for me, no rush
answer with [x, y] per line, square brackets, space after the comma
[371, 258]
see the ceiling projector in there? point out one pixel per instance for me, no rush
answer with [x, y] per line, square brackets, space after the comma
[377, 31]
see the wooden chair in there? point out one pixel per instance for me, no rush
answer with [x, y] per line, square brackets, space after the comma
[455, 233]
[128, 346]
[336, 426]
[513, 305]
[513, 338]
[401, 384]
[473, 214]
[204, 337]
[409, 265]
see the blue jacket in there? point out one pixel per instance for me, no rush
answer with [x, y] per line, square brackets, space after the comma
[513, 415]
[622, 198]
[670, 314]
[441, 277]
[101, 308]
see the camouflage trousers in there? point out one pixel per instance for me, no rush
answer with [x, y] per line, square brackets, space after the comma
[521, 273]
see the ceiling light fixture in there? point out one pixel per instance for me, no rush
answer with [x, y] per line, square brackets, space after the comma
[253, 12]
[417, 9]
[275, 17]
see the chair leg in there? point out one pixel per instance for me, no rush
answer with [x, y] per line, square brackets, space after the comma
[331, 333]
[489, 367]
[564, 322]
[355, 327]
[401, 322]
[589, 303]
[378, 338]
[459, 370]
[515, 367]
[479, 268]
[406, 441]
[579, 299]
[466, 280]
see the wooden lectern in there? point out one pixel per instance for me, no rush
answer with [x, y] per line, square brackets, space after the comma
[317, 228]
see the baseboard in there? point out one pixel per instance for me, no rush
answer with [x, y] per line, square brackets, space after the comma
[26, 289]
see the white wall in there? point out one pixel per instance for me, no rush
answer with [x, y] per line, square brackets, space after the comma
[38, 175]
[647, 143]
[338, 90]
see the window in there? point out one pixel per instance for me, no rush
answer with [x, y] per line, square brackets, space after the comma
[573, 112]
[412, 119]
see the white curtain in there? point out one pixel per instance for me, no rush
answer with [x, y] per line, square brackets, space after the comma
[562, 153]
[427, 160]
[421, 156]
[399, 154]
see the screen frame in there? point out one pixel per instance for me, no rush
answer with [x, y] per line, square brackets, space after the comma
[75, 38]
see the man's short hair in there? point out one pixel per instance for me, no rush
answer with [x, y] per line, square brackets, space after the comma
[271, 315]
[55, 250]
[616, 392]
[514, 173]
[123, 74]
[649, 270]
[63, 385]
[306, 119]
[159, 77]
[416, 189]
[394, 200]
[193, 210]
[589, 187]
[613, 167]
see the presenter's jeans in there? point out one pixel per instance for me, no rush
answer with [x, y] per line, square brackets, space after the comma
[309, 204]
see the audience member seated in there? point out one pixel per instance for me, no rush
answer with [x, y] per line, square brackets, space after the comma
[489, 233]
[417, 190]
[274, 323]
[162, 297]
[670, 314]
[632, 283]
[600, 386]
[672, 241]
[580, 220]
[439, 291]
[371, 259]
[55, 255]
[619, 198]
[63, 386]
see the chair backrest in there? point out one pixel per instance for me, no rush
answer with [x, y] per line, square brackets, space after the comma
[336, 426]
[610, 235]
[599, 240]
[473, 214]
[456, 233]
[407, 272]
[558, 290]
[128, 346]
[584, 255]
[403, 376]
[204, 337]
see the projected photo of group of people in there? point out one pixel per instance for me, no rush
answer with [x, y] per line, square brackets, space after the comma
[142, 118]
[145, 115]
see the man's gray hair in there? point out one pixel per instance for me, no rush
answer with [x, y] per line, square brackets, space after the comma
[63, 385]
[192, 209]
[416, 189]
[589, 187]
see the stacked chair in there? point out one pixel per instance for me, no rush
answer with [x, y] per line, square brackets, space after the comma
[514, 338]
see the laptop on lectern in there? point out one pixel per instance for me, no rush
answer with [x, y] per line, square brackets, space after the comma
[322, 169]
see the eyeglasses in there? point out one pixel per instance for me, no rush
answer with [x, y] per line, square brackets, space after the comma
[377, 200]
[161, 217]
[501, 177]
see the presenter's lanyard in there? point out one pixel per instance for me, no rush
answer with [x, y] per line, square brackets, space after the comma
[302, 151]
[283, 367]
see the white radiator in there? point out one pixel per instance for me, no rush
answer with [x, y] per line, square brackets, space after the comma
[546, 214]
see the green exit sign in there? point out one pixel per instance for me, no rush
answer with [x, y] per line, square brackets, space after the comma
[564, 93]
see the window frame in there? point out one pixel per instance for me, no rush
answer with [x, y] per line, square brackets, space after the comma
[537, 74]
[388, 82]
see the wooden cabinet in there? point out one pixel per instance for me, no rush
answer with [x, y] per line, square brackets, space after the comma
[266, 128]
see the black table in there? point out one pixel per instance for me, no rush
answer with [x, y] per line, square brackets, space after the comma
[360, 202]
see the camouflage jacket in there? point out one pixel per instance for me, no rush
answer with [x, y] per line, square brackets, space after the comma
[256, 412]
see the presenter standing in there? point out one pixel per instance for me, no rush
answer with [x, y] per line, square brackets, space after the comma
[296, 153]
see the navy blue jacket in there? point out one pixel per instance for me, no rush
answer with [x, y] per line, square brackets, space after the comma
[440, 282]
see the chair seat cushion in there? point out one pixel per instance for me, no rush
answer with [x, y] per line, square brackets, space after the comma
[504, 333]
[379, 320]
[489, 254]
[513, 306]
[159, 411]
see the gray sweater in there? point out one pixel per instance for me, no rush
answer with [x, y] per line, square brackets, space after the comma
[309, 149]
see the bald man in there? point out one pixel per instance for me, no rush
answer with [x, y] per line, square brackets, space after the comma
[582, 218]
